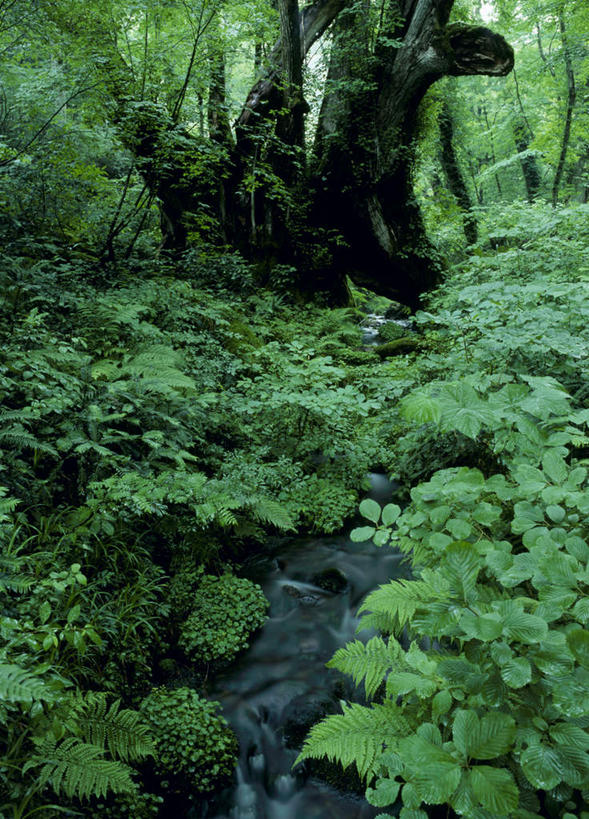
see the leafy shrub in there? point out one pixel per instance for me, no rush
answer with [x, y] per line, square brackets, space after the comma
[136, 805]
[425, 450]
[322, 503]
[225, 611]
[493, 720]
[195, 748]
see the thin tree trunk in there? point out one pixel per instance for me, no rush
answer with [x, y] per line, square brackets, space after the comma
[571, 99]
[453, 173]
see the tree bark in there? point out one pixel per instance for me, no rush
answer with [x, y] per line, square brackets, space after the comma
[453, 173]
[571, 99]
[364, 191]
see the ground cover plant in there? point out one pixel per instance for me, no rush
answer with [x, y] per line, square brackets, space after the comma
[477, 676]
[186, 278]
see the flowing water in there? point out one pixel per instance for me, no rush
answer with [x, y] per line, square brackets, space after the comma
[282, 677]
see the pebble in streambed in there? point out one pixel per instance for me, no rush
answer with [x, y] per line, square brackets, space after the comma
[280, 684]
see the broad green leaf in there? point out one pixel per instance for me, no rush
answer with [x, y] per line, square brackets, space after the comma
[459, 529]
[390, 513]
[556, 513]
[466, 723]
[487, 738]
[495, 789]
[381, 537]
[541, 766]
[362, 534]
[385, 793]
[370, 510]
[421, 408]
[571, 735]
[555, 467]
[486, 627]
[441, 704]
[525, 628]
[517, 672]
[578, 642]
[439, 514]
[486, 514]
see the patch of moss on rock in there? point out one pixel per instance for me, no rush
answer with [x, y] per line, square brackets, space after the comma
[401, 346]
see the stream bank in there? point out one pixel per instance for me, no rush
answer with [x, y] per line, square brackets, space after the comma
[274, 691]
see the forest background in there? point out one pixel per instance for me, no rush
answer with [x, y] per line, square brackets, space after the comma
[200, 201]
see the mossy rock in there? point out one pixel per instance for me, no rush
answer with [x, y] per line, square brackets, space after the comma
[331, 580]
[401, 346]
[357, 358]
[391, 331]
[397, 311]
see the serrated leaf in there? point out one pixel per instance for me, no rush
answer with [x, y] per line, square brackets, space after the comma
[495, 789]
[441, 704]
[541, 767]
[385, 793]
[487, 738]
[525, 628]
[517, 672]
[486, 627]
[578, 642]
[555, 467]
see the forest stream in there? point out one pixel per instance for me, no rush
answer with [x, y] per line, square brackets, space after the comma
[276, 684]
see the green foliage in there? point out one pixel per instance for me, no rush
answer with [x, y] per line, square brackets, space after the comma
[195, 748]
[483, 651]
[500, 567]
[78, 769]
[224, 612]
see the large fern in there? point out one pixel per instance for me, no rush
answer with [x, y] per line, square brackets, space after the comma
[122, 732]
[19, 685]
[359, 735]
[78, 768]
[395, 603]
[369, 661]
[270, 511]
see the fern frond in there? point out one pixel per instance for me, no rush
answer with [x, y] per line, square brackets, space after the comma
[270, 511]
[369, 661]
[398, 600]
[78, 769]
[18, 436]
[359, 735]
[19, 685]
[225, 517]
[124, 733]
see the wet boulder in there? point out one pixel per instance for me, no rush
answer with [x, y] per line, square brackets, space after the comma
[396, 311]
[302, 713]
[331, 580]
[301, 596]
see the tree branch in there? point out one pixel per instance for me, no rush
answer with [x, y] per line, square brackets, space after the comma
[315, 20]
[478, 50]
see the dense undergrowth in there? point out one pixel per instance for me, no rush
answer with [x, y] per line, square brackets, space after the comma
[477, 677]
[160, 422]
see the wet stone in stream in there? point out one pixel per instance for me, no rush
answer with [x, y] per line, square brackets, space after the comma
[280, 686]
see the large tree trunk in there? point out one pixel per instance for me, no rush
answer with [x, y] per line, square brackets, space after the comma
[361, 218]
[365, 196]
